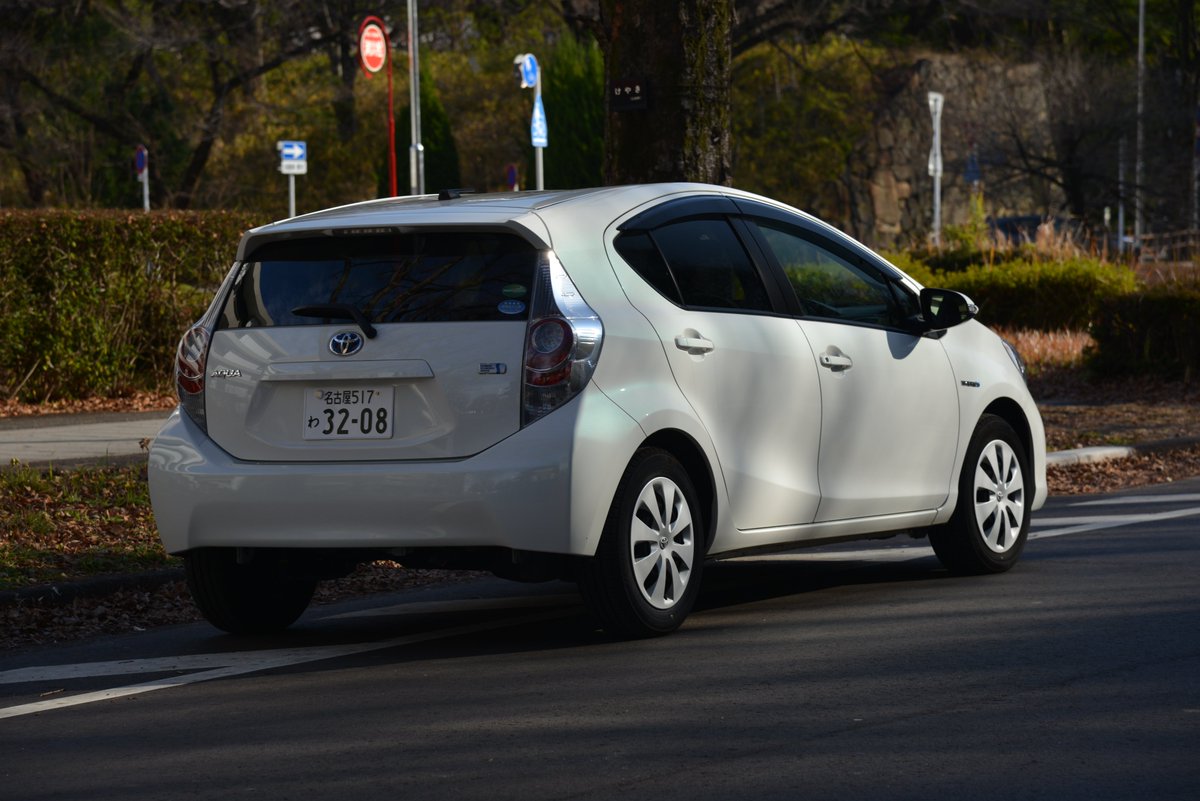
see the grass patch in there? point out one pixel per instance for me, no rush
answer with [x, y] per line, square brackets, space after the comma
[68, 525]
[1048, 350]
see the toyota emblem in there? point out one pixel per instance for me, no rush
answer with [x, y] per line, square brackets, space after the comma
[345, 343]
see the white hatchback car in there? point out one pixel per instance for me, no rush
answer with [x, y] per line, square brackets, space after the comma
[609, 386]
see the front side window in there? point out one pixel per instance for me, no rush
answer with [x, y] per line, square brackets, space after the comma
[420, 277]
[830, 286]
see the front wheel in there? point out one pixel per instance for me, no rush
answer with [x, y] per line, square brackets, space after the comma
[991, 522]
[645, 576]
[255, 596]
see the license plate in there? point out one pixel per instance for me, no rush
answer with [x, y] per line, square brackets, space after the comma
[348, 413]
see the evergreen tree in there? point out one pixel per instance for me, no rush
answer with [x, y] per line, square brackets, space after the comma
[441, 153]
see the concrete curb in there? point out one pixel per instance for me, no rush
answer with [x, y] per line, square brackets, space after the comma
[69, 591]
[1097, 454]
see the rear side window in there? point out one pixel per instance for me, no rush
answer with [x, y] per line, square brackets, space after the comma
[710, 265]
[419, 277]
[637, 249]
[698, 263]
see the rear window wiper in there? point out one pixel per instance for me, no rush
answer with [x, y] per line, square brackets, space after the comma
[338, 311]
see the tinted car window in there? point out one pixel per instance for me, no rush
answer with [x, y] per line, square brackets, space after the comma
[710, 266]
[637, 249]
[423, 277]
[829, 285]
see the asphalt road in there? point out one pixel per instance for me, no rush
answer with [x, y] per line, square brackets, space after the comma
[864, 672]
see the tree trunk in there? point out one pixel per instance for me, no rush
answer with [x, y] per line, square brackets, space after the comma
[679, 54]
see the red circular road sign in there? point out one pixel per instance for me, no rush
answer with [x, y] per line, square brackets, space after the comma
[372, 47]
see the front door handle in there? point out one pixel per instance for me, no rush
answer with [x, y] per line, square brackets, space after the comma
[836, 362]
[694, 345]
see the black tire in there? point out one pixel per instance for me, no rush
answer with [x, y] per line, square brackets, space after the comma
[252, 598]
[667, 551]
[990, 524]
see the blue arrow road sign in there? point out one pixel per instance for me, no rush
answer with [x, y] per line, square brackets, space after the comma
[293, 151]
[529, 71]
[537, 126]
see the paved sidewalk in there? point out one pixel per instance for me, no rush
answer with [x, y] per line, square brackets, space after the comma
[65, 440]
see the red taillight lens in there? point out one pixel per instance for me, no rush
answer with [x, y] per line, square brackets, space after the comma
[549, 344]
[562, 342]
[190, 362]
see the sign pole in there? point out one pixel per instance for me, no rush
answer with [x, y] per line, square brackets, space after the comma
[293, 161]
[537, 150]
[374, 53]
[141, 160]
[531, 78]
[416, 154]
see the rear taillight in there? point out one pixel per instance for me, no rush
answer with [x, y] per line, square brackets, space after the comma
[562, 342]
[191, 359]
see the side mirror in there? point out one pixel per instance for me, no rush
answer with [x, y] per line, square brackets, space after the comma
[945, 308]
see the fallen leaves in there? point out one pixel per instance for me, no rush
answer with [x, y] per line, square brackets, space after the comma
[1135, 471]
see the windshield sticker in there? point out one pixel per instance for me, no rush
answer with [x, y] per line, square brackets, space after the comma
[514, 291]
[511, 307]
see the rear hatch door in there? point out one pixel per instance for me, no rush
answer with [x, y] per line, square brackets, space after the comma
[362, 347]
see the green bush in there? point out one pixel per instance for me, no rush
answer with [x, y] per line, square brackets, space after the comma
[94, 302]
[1042, 295]
[1156, 331]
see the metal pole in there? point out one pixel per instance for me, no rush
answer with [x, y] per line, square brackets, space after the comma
[1121, 196]
[1138, 220]
[936, 102]
[387, 43]
[416, 154]
[146, 184]
[291, 195]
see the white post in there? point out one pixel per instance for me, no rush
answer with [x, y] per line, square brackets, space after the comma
[291, 195]
[936, 101]
[141, 161]
[145, 176]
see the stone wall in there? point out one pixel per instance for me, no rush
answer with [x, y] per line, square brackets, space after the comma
[993, 110]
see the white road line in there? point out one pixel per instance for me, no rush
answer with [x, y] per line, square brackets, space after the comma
[1192, 498]
[232, 664]
[1078, 525]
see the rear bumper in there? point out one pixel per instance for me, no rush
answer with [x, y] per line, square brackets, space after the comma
[546, 488]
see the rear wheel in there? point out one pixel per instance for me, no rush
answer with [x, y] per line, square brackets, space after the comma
[991, 522]
[645, 576]
[253, 597]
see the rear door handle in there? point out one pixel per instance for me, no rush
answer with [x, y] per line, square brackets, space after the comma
[836, 363]
[694, 345]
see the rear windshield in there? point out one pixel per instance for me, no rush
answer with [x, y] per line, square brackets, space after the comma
[419, 277]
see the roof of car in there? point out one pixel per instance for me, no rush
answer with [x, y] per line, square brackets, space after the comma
[514, 210]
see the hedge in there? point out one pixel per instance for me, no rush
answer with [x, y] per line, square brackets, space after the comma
[1156, 331]
[94, 302]
[1037, 294]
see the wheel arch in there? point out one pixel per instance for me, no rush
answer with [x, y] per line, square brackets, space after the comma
[1010, 412]
[692, 457]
